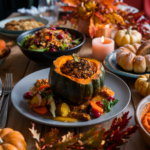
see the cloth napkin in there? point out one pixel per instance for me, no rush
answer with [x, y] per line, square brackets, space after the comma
[33, 11]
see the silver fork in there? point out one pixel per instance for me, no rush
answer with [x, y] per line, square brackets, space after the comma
[7, 90]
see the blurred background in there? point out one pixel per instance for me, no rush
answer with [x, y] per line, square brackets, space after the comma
[9, 6]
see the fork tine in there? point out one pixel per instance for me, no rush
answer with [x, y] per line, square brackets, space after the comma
[5, 83]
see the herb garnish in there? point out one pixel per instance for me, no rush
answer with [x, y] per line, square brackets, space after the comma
[109, 104]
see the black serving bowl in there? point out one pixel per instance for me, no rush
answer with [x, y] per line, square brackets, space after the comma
[48, 57]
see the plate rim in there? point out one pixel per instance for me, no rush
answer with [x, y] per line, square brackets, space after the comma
[21, 31]
[79, 124]
[122, 73]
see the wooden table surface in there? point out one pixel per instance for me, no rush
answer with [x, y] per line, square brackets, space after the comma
[18, 64]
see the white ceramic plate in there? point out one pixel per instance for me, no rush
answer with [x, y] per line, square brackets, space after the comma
[122, 92]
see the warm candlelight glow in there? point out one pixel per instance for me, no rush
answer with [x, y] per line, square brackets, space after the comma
[102, 39]
[101, 47]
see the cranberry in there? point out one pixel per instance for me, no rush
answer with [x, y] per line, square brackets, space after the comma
[53, 28]
[30, 39]
[66, 32]
[96, 113]
[73, 36]
[37, 41]
[110, 98]
[60, 36]
[49, 39]
[28, 95]
[52, 50]
[99, 103]
[27, 45]
[50, 33]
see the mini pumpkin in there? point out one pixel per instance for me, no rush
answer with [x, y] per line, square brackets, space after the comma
[127, 36]
[142, 85]
[11, 140]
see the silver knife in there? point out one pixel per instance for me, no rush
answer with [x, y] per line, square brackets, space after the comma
[0, 87]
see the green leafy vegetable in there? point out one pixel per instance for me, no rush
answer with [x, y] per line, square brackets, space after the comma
[77, 41]
[25, 40]
[64, 46]
[109, 104]
[45, 94]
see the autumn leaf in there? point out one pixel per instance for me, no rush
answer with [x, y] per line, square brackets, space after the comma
[89, 134]
[81, 11]
[92, 28]
[67, 140]
[68, 8]
[34, 133]
[49, 139]
[90, 5]
[71, 2]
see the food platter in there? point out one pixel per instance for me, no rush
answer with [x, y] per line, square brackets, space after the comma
[11, 33]
[111, 64]
[122, 92]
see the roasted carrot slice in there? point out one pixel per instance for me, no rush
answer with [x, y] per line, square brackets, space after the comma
[41, 110]
[96, 107]
[42, 87]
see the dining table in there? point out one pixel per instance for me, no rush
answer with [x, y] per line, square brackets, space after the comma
[18, 64]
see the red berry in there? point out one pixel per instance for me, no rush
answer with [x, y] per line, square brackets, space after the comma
[30, 39]
[53, 28]
[49, 39]
[110, 98]
[52, 50]
[96, 113]
[37, 41]
[50, 33]
[37, 33]
[100, 103]
[60, 36]
[73, 36]
[28, 95]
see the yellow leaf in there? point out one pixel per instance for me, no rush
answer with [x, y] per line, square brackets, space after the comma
[92, 27]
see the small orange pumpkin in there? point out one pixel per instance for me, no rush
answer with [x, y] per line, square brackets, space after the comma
[11, 140]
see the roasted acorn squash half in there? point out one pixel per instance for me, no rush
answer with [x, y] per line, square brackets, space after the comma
[75, 90]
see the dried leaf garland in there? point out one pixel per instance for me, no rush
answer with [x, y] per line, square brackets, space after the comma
[96, 138]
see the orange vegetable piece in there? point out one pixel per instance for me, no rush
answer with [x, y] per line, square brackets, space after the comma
[46, 37]
[96, 107]
[2, 44]
[41, 110]
[42, 87]
[107, 92]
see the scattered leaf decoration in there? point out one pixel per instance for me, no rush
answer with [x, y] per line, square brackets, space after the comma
[34, 133]
[96, 138]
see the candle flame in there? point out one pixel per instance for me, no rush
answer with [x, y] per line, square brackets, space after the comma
[102, 39]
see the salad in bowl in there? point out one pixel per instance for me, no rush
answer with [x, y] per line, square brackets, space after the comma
[50, 39]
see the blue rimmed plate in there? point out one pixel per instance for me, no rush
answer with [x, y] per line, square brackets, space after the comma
[111, 64]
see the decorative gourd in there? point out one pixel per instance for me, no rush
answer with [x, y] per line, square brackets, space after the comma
[142, 85]
[127, 36]
[75, 90]
[11, 140]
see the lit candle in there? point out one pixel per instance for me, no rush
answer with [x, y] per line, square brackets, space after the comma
[101, 47]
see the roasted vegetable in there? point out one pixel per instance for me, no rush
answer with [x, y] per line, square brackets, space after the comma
[66, 119]
[75, 90]
[80, 116]
[62, 109]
